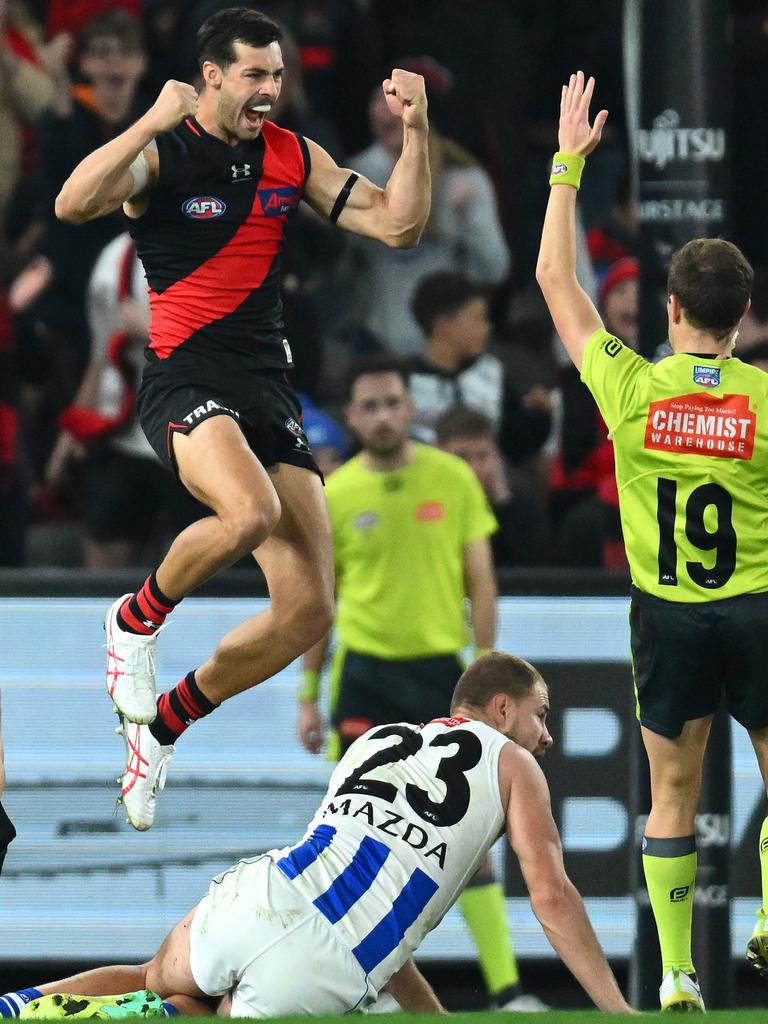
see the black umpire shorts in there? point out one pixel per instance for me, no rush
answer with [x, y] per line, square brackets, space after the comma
[7, 834]
[375, 691]
[687, 656]
[177, 396]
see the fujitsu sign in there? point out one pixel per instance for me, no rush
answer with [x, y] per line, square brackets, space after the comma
[667, 142]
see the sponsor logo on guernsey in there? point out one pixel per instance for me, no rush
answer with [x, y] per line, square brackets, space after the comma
[366, 521]
[430, 511]
[277, 202]
[702, 425]
[210, 406]
[707, 376]
[203, 207]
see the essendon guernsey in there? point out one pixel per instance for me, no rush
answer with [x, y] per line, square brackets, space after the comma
[210, 243]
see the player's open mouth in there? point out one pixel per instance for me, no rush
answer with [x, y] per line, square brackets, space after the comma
[254, 115]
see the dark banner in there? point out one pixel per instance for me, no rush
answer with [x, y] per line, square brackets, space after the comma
[677, 68]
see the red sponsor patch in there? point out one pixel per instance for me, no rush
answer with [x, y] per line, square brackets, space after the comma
[702, 424]
[430, 511]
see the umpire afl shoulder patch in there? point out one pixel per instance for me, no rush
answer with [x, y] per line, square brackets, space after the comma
[706, 376]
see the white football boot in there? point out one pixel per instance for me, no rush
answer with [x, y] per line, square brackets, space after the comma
[130, 669]
[145, 772]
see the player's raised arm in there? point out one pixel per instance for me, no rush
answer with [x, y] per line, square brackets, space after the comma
[573, 312]
[396, 214]
[124, 168]
[555, 901]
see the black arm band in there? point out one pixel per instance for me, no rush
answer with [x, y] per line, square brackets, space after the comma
[341, 198]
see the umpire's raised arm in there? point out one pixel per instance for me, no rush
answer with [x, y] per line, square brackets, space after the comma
[573, 313]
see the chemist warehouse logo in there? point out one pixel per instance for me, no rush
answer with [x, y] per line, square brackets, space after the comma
[702, 425]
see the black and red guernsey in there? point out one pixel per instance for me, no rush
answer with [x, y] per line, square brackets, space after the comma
[210, 243]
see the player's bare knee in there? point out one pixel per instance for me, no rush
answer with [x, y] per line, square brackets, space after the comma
[251, 523]
[306, 616]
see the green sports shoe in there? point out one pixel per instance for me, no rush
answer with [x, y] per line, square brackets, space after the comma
[757, 947]
[132, 1004]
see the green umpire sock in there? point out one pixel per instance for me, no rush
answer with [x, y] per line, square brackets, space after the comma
[764, 867]
[485, 913]
[670, 873]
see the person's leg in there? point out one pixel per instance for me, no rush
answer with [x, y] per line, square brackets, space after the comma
[218, 468]
[482, 907]
[297, 561]
[669, 845]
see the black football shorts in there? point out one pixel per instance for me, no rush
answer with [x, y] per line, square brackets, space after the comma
[174, 398]
[687, 656]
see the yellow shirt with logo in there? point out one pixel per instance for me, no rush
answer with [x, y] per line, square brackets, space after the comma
[399, 540]
[690, 436]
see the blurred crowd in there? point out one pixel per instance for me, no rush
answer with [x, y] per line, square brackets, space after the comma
[79, 485]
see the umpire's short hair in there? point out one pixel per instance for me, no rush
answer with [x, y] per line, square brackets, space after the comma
[218, 34]
[379, 362]
[491, 674]
[712, 279]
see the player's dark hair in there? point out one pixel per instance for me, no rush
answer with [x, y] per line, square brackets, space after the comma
[379, 362]
[442, 294]
[116, 24]
[218, 34]
[491, 674]
[712, 280]
[462, 421]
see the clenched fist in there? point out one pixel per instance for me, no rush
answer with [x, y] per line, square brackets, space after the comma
[176, 101]
[406, 97]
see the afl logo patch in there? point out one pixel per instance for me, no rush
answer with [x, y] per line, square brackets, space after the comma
[203, 207]
[706, 376]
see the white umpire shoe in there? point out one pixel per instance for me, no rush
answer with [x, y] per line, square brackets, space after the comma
[130, 668]
[680, 993]
[144, 775]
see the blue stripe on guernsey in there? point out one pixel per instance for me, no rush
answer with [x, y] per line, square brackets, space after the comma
[354, 880]
[386, 936]
[301, 857]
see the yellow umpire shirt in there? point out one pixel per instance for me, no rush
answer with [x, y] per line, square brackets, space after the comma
[399, 539]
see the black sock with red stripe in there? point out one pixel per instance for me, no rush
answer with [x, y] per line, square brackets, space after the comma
[145, 611]
[178, 709]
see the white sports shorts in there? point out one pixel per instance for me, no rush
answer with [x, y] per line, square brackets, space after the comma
[254, 935]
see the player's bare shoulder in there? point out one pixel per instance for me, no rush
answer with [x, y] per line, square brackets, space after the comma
[145, 171]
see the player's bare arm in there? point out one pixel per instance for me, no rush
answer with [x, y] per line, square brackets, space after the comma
[573, 312]
[124, 170]
[555, 901]
[309, 727]
[480, 587]
[412, 990]
[396, 214]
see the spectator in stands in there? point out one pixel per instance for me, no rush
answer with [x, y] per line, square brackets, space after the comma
[456, 368]
[463, 232]
[410, 529]
[72, 15]
[101, 425]
[522, 537]
[112, 59]
[618, 236]
[26, 91]
[7, 831]
[12, 503]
